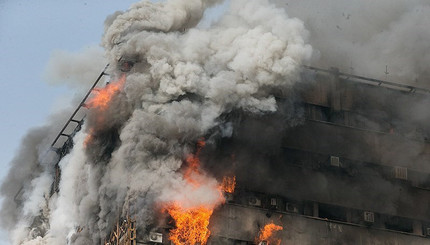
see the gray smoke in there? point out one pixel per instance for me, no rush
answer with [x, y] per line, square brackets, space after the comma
[363, 37]
[26, 187]
[77, 70]
[184, 81]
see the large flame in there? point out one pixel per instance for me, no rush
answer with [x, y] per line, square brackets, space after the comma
[193, 173]
[191, 225]
[192, 222]
[103, 96]
[266, 234]
[101, 100]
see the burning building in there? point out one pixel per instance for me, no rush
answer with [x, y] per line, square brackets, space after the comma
[223, 135]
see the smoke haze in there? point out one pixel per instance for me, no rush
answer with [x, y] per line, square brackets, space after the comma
[185, 78]
[363, 37]
[188, 81]
[75, 69]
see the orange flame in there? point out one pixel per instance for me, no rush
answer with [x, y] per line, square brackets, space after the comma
[266, 234]
[101, 101]
[191, 225]
[228, 184]
[193, 169]
[103, 96]
[192, 222]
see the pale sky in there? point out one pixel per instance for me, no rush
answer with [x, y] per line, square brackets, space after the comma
[29, 32]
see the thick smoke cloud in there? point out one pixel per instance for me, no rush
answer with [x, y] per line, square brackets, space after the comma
[145, 16]
[26, 167]
[368, 35]
[184, 80]
[26, 187]
[188, 82]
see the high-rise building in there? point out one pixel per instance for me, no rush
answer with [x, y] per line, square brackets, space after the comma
[350, 167]
[355, 171]
[222, 134]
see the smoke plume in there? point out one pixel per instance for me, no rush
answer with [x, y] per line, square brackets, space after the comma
[184, 81]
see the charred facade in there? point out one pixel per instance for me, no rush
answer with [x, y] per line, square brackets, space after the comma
[222, 134]
[353, 172]
[349, 167]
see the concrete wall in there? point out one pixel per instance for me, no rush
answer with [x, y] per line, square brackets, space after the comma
[361, 145]
[243, 223]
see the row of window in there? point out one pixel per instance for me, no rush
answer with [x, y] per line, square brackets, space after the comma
[322, 162]
[329, 212]
[377, 122]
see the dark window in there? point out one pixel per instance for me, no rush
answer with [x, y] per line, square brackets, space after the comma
[332, 212]
[399, 224]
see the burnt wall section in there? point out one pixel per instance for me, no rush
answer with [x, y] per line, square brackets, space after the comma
[299, 229]
[304, 175]
[366, 103]
[335, 150]
[354, 147]
[338, 174]
[359, 144]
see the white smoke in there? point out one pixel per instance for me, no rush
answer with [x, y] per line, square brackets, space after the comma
[66, 214]
[26, 188]
[184, 79]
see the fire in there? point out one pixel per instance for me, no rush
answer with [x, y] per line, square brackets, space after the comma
[101, 101]
[228, 184]
[103, 96]
[266, 234]
[193, 171]
[192, 221]
[191, 225]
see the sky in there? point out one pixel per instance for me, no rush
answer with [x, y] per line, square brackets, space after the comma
[30, 31]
